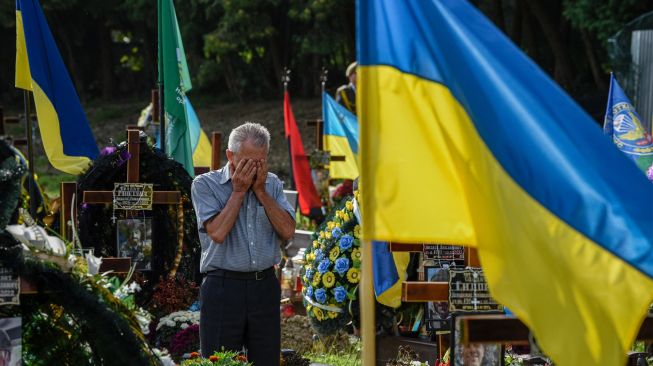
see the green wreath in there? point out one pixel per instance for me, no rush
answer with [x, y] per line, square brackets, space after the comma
[98, 231]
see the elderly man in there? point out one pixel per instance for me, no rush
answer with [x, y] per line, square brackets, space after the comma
[242, 215]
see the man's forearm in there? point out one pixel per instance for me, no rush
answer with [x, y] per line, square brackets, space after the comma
[221, 225]
[282, 223]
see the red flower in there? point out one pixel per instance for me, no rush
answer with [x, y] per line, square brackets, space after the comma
[213, 358]
[241, 358]
[194, 355]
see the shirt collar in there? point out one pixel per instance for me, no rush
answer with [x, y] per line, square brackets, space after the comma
[225, 174]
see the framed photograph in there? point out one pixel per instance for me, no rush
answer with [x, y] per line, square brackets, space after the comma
[474, 354]
[436, 312]
[134, 238]
[10, 341]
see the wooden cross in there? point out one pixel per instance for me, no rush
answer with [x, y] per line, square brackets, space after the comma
[100, 197]
[318, 124]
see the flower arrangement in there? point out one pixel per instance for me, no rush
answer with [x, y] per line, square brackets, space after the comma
[224, 358]
[173, 294]
[185, 341]
[171, 324]
[331, 274]
[649, 173]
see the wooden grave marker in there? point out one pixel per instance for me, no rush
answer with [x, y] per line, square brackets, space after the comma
[120, 265]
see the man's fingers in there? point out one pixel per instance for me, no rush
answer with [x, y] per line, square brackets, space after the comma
[240, 166]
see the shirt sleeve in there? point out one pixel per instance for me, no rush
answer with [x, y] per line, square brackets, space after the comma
[206, 203]
[280, 197]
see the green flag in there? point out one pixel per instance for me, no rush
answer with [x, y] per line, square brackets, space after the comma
[173, 73]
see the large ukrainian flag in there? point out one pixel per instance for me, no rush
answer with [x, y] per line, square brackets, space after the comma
[465, 140]
[66, 134]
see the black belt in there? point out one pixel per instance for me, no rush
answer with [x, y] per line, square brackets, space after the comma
[256, 275]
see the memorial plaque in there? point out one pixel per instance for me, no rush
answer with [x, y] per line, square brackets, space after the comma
[133, 196]
[469, 293]
[454, 255]
[9, 286]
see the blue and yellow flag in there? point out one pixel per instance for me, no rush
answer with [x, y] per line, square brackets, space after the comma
[340, 138]
[389, 273]
[464, 140]
[67, 138]
[623, 124]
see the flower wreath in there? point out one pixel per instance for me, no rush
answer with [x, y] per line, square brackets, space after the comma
[331, 274]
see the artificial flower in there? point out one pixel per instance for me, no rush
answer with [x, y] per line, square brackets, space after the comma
[331, 225]
[320, 295]
[309, 291]
[349, 205]
[324, 266]
[353, 275]
[356, 255]
[319, 255]
[316, 279]
[342, 265]
[340, 294]
[316, 244]
[332, 314]
[346, 242]
[329, 279]
[357, 231]
[309, 273]
[319, 315]
[328, 234]
[335, 252]
[336, 233]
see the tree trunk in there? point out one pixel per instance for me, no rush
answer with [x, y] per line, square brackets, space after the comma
[563, 72]
[594, 62]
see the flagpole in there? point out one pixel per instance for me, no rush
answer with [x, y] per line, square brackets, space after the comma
[30, 154]
[367, 306]
[162, 112]
[285, 77]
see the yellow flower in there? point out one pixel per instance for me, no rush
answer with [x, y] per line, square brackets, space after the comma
[356, 194]
[335, 252]
[309, 307]
[328, 235]
[337, 224]
[316, 279]
[315, 244]
[332, 314]
[319, 315]
[330, 225]
[353, 275]
[322, 234]
[328, 279]
[357, 231]
[356, 254]
[349, 205]
[345, 217]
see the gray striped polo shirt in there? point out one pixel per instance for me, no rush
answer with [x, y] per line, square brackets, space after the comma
[252, 244]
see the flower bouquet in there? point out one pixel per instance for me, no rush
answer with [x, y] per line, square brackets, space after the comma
[331, 274]
[171, 324]
[225, 358]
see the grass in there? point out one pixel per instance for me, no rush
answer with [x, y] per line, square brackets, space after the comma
[342, 359]
[331, 352]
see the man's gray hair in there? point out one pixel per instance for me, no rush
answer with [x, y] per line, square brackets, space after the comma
[255, 133]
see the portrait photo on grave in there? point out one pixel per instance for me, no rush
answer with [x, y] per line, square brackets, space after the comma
[474, 354]
[134, 240]
[437, 312]
[10, 342]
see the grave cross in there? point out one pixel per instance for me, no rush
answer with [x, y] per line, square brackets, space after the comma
[159, 197]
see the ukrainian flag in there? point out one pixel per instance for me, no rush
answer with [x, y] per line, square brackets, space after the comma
[66, 134]
[340, 138]
[465, 140]
[389, 273]
[200, 144]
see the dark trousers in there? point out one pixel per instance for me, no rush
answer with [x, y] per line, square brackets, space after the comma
[237, 314]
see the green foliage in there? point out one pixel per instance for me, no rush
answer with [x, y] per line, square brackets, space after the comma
[225, 358]
[603, 18]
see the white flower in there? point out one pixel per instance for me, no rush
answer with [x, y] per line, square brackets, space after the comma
[184, 326]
